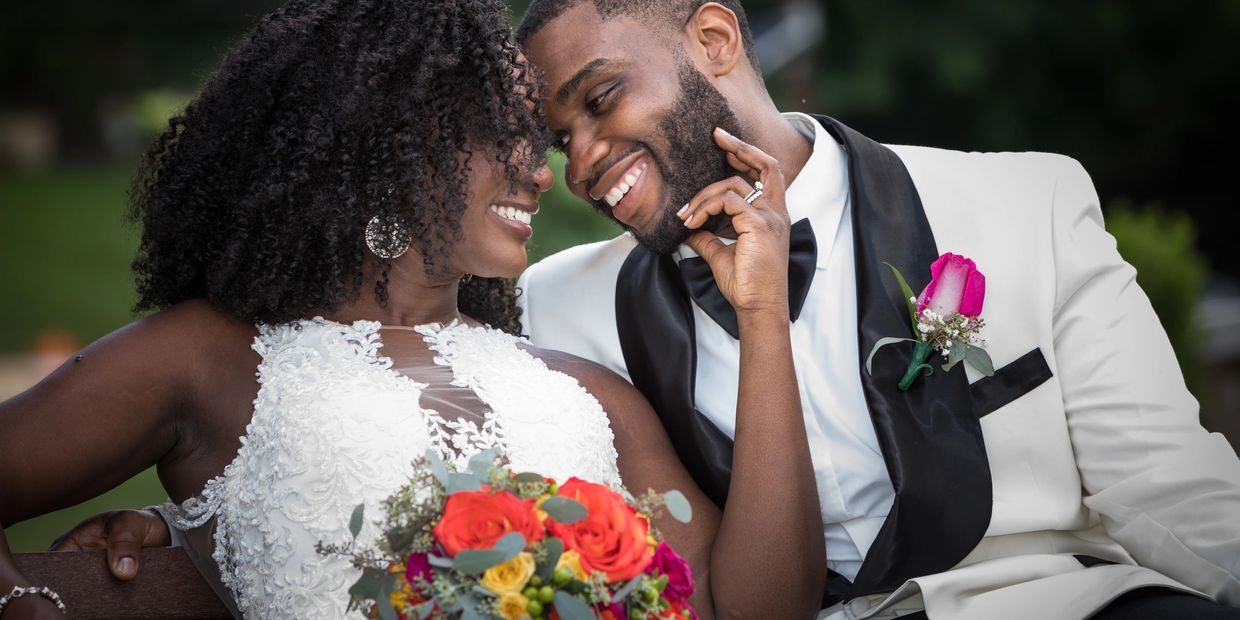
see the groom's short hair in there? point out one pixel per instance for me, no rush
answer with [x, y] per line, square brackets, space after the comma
[659, 13]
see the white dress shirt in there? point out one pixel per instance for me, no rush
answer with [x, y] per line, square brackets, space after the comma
[853, 485]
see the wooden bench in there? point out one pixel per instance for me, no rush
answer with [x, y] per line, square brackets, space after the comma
[167, 586]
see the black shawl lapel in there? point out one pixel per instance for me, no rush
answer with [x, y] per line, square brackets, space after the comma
[930, 437]
[654, 320]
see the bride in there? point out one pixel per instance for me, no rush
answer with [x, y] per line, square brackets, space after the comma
[329, 237]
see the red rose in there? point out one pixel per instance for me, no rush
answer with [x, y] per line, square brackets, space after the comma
[476, 519]
[612, 538]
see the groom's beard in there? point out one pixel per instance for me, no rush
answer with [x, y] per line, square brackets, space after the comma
[691, 160]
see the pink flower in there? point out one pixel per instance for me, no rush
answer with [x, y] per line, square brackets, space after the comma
[417, 565]
[956, 286]
[679, 575]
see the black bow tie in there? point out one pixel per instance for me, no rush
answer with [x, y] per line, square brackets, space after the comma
[802, 259]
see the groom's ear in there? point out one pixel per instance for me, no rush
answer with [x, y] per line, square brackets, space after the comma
[715, 39]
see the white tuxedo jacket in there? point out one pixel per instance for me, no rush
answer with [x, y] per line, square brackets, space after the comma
[1092, 441]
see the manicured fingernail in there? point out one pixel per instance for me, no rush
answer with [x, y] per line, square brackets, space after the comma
[724, 132]
[126, 566]
[682, 210]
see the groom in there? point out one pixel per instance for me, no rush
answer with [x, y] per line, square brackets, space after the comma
[1075, 479]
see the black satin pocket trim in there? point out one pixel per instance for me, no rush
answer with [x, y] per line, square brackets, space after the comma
[1010, 382]
[1089, 561]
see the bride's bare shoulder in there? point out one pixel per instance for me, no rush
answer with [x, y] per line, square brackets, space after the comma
[611, 390]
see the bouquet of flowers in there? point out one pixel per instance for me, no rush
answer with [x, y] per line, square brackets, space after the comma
[492, 543]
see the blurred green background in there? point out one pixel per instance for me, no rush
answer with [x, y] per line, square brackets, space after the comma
[1144, 93]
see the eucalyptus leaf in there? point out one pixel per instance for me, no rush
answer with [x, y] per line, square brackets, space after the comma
[570, 608]
[471, 561]
[908, 296]
[628, 587]
[474, 561]
[678, 506]
[435, 560]
[481, 463]
[882, 342]
[510, 544]
[425, 611]
[555, 548]
[565, 510]
[528, 478]
[438, 469]
[469, 607]
[957, 353]
[978, 358]
[458, 482]
[367, 586]
[386, 610]
[355, 520]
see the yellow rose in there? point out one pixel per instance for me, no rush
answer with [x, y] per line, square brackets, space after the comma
[572, 560]
[512, 606]
[509, 577]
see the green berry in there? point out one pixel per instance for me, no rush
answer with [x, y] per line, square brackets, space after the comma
[553, 489]
[637, 614]
[536, 581]
[649, 595]
[562, 576]
[534, 608]
[661, 583]
[546, 594]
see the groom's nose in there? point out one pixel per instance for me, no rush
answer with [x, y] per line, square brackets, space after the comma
[585, 153]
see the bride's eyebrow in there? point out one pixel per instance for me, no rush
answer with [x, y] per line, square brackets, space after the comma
[594, 66]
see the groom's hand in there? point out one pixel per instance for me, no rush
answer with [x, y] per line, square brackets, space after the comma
[123, 533]
[752, 274]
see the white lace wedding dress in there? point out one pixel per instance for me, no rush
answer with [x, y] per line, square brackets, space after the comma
[336, 425]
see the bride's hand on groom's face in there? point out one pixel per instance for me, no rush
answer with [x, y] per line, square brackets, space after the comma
[752, 274]
[123, 533]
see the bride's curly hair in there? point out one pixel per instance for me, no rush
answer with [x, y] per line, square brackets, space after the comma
[330, 112]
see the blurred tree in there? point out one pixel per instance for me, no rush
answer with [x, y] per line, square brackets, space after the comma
[1144, 93]
[1161, 246]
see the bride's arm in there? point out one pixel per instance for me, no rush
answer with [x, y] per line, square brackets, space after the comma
[108, 413]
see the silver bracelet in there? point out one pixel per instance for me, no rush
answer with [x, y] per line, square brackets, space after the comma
[18, 592]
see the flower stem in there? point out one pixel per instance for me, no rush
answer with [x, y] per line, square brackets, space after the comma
[917, 365]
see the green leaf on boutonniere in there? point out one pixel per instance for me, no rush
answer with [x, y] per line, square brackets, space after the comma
[957, 353]
[528, 478]
[908, 296]
[882, 342]
[979, 359]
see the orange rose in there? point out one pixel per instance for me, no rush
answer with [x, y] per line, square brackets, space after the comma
[612, 537]
[476, 519]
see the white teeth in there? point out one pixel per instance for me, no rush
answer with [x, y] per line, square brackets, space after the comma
[512, 213]
[622, 188]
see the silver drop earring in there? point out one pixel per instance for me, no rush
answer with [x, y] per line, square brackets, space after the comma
[387, 236]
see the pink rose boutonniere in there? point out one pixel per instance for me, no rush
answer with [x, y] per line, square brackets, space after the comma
[946, 317]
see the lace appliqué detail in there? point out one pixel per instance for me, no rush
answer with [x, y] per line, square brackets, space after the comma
[335, 426]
